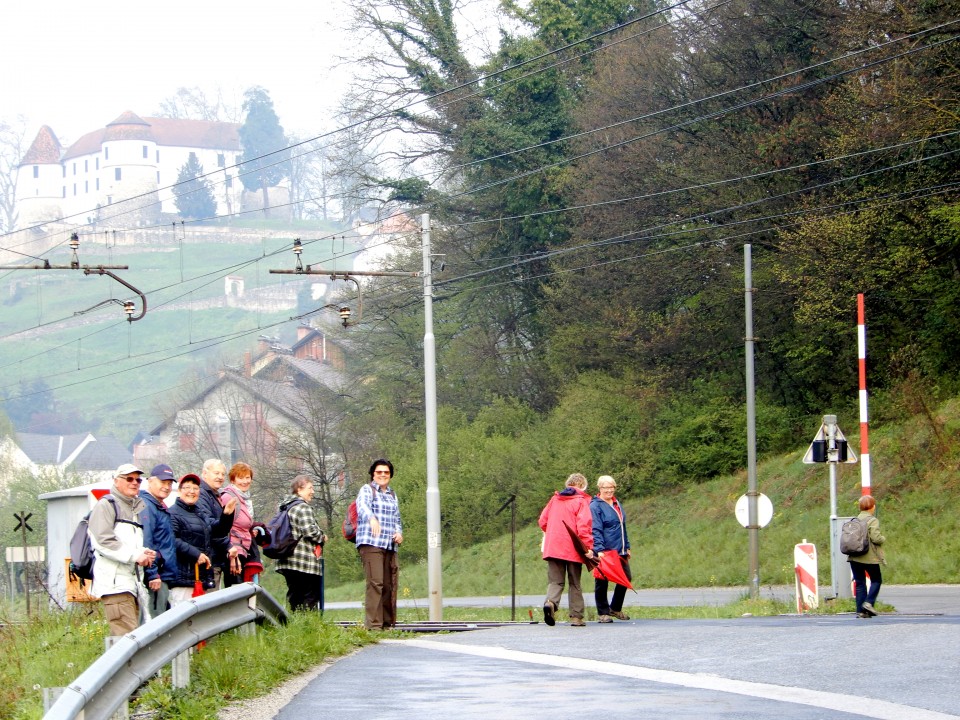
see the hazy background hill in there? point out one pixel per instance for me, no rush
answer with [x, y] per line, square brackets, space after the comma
[77, 372]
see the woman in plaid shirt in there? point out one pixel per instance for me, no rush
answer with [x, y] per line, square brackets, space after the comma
[379, 534]
[302, 569]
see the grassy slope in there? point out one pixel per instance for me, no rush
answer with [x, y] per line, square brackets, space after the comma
[691, 538]
[79, 356]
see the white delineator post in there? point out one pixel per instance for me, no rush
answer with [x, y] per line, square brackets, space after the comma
[865, 484]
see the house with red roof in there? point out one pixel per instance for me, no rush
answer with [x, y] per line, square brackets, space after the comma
[125, 170]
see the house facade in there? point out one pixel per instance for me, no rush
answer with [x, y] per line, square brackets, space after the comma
[134, 160]
[248, 410]
[83, 455]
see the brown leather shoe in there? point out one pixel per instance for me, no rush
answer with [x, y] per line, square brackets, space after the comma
[577, 622]
[605, 619]
[548, 613]
[620, 615]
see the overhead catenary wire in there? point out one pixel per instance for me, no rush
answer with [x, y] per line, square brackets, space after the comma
[419, 101]
[206, 344]
[324, 238]
[564, 161]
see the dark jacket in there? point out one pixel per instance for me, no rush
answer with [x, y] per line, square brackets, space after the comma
[209, 507]
[158, 535]
[609, 527]
[191, 535]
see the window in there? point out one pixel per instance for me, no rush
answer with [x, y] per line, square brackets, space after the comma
[74, 168]
[64, 168]
[221, 160]
[116, 174]
[145, 151]
[86, 166]
[86, 186]
[64, 190]
[74, 189]
[158, 157]
[187, 441]
[158, 177]
[229, 181]
[106, 153]
[97, 161]
[36, 171]
[98, 184]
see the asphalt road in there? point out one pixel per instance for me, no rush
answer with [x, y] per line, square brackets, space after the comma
[903, 666]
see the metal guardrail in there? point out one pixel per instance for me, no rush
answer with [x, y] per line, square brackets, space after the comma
[100, 690]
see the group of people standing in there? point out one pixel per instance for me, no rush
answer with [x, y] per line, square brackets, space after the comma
[578, 529]
[152, 556]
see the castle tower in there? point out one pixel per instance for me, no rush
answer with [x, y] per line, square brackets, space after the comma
[128, 169]
[40, 181]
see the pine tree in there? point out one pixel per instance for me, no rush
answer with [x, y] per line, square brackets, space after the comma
[265, 159]
[193, 195]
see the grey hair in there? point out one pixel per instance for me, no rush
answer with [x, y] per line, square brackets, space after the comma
[211, 463]
[577, 480]
[606, 479]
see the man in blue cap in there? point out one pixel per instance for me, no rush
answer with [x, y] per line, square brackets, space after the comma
[158, 535]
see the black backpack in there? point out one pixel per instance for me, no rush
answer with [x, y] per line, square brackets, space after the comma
[854, 537]
[282, 540]
[82, 557]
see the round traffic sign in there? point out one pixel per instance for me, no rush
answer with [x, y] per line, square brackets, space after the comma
[764, 510]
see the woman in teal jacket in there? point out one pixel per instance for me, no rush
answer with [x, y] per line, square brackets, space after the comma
[869, 562]
[609, 535]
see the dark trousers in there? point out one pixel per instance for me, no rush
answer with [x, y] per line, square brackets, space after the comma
[619, 591]
[303, 589]
[860, 572]
[381, 570]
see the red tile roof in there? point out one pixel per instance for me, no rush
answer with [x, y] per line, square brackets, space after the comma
[206, 134]
[44, 150]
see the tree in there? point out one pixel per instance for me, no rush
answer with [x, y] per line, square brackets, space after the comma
[11, 150]
[265, 160]
[193, 195]
[194, 104]
[309, 179]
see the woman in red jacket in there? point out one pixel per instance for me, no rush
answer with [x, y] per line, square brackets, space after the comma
[567, 514]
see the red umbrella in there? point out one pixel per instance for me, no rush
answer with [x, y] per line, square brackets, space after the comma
[611, 570]
[197, 585]
[581, 548]
[197, 592]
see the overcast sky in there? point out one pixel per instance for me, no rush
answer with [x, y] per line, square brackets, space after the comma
[76, 66]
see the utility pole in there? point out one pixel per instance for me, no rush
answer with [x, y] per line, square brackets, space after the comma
[753, 526]
[434, 564]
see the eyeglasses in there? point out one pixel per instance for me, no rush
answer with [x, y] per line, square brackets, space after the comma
[134, 478]
[607, 487]
[381, 472]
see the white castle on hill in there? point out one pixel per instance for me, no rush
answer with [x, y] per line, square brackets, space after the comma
[132, 157]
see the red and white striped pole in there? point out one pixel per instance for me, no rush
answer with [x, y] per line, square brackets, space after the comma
[864, 423]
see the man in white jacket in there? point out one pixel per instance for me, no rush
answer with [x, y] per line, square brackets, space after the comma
[117, 538]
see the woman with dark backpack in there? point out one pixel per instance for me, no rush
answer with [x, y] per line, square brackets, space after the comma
[302, 569]
[868, 563]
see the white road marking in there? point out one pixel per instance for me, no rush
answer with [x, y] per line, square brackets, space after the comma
[866, 707]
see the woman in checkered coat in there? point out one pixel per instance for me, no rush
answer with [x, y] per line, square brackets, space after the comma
[302, 569]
